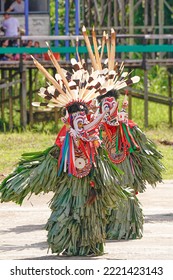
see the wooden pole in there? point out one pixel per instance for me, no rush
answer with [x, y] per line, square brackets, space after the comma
[109, 23]
[115, 14]
[161, 22]
[145, 98]
[10, 102]
[153, 19]
[23, 113]
[131, 23]
[3, 75]
[122, 23]
[122, 7]
[146, 17]
[170, 96]
[30, 99]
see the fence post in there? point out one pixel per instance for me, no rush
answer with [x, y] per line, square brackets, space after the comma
[145, 98]
[23, 95]
[10, 102]
[23, 113]
[30, 99]
[170, 96]
[67, 26]
[56, 20]
[144, 65]
[3, 75]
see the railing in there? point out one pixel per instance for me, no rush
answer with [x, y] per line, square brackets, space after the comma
[144, 44]
[147, 50]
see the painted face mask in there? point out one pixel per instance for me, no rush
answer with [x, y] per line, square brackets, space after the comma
[85, 130]
[79, 120]
[110, 117]
[84, 154]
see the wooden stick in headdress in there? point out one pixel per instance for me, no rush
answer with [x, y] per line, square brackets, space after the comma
[90, 52]
[115, 66]
[112, 50]
[77, 50]
[50, 78]
[96, 49]
[59, 70]
[103, 45]
[108, 48]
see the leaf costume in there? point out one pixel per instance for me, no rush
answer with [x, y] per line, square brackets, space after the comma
[98, 162]
[76, 168]
[137, 156]
[126, 145]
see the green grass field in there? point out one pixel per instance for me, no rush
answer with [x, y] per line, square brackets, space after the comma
[12, 145]
[164, 134]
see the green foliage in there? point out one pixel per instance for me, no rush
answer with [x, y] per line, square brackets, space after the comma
[46, 127]
[52, 16]
[139, 17]
[157, 84]
[168, 16]
[61, 16]
[158, 80]
[158, 114]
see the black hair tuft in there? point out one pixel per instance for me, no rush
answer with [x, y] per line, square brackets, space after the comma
[110, 93]
[76, 107]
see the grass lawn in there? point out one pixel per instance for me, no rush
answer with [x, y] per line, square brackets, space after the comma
[159, 135]
[12, 145]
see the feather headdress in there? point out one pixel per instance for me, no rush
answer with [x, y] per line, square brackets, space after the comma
[67, 88]
[115, 77]
[81, 85]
